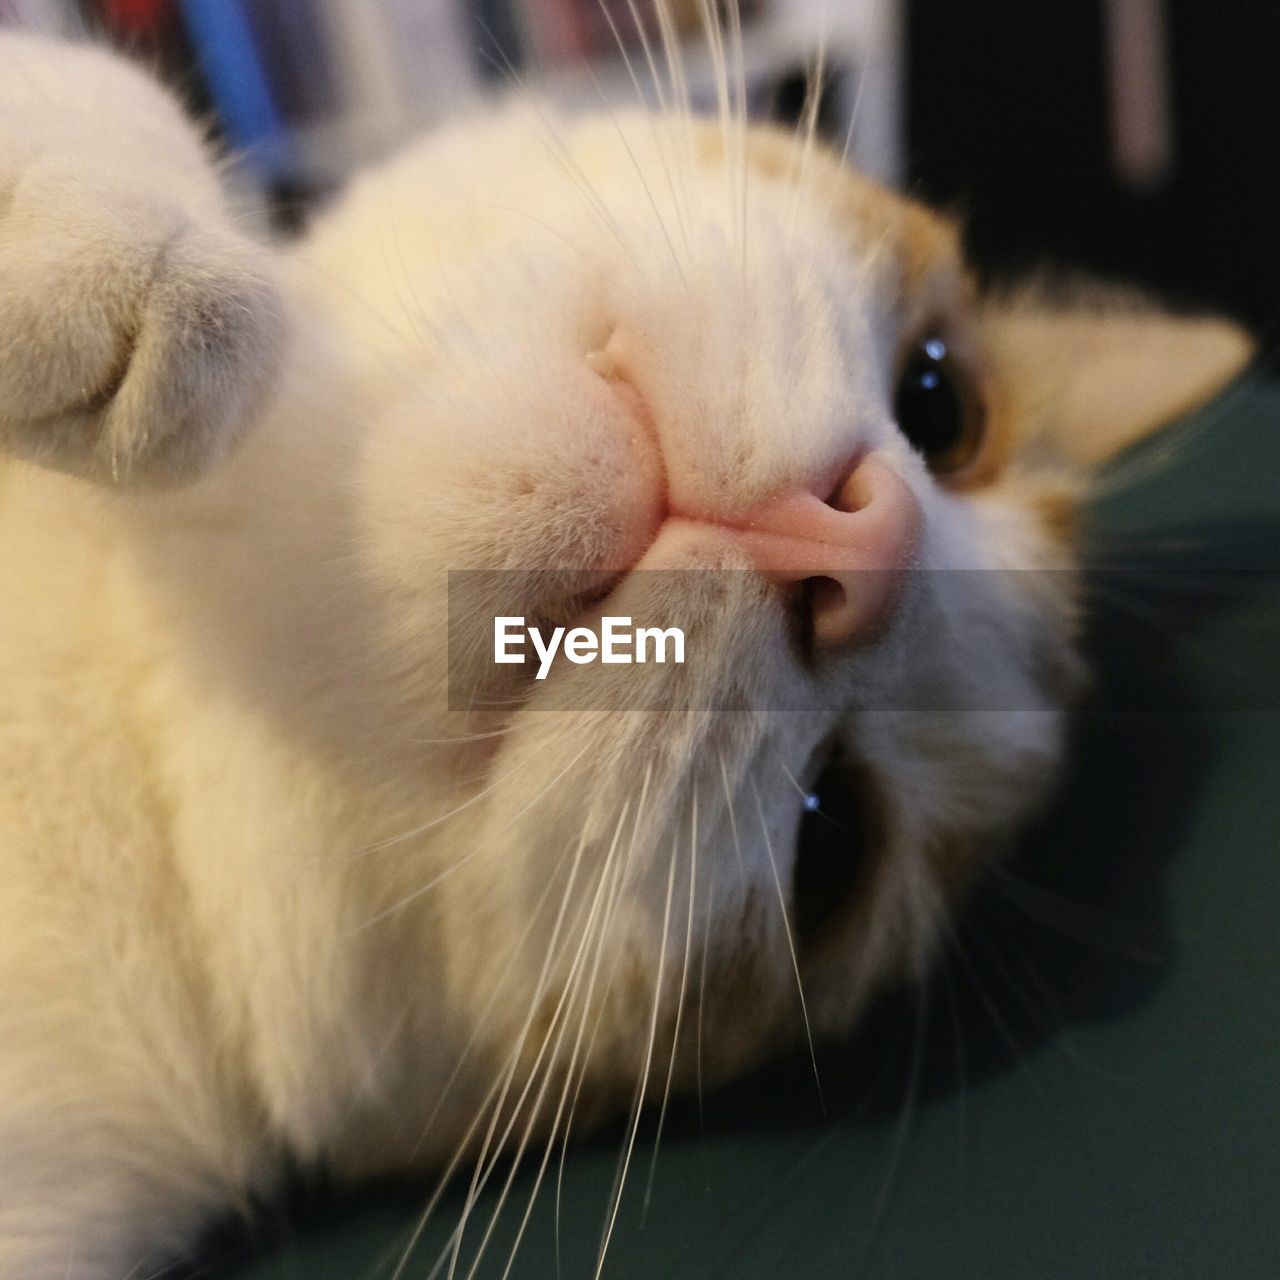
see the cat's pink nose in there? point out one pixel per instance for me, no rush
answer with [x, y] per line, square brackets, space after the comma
[849, 553]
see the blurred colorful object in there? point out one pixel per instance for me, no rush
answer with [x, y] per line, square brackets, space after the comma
[305, 91]
[228, 57]
[138, 17]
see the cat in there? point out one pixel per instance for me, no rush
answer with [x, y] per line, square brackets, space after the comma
[272, 892]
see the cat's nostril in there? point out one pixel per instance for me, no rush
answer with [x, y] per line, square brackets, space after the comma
[810, 599]
[846, 556]
[844, 495]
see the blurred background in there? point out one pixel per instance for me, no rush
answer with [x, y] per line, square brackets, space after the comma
[1133, 138]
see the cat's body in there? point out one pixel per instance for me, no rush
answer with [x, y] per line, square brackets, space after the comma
[261, 890]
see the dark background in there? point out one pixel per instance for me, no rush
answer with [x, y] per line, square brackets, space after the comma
[1008, 120]
[1008, 125]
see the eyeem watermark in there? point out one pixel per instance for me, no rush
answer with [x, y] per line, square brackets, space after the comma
[676, 640]
[618, 643]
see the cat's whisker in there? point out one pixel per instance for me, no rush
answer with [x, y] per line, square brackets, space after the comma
[1130, 473]
[961, 1058]
[606, 13]
[897, 1153]
[594, 933]
[648, 190]
[419, 316]
[1177, 449]
[395, 277]
[673, 53]
[576, 1077]
[1081, 923]
[707, 925]
[556, 149]
[720, 74]
[791, 777]
[655, 133]
[133, 1272]
[1169, 623]
[490, 1106]
[460, 314]
[461, 739]
[665, 107]
[997, 1019]
[789, 934]
[680, 1002]
[423, 828]
[166, 1270]
[557, 1019]
[1048, 1015]
[739, 154]
[374, 312]
[876, 24]
[623, 873]
[643, 1085]
[433, 883]
[507, 1075]
[497, 990]
[546, 1063]
[1139, 540]
[679, 87]
[733, 821]
[445, 1180]
[436, 880]
[541, 222]
[667, 113]
[808, 125]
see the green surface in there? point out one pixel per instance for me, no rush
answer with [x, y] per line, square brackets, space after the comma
[1089, 1088]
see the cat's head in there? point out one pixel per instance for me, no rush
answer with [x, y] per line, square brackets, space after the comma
[646, 344]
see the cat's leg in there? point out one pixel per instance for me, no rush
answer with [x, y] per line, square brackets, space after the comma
[111, 1167]
[128, 1118]
[139, 335]
[141, 330]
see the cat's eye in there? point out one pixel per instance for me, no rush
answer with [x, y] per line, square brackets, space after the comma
[938, 408]
[832, 850]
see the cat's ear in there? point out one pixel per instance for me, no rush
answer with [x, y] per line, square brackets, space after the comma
[1090, 370]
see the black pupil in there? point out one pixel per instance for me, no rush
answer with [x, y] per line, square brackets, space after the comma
[929, 410]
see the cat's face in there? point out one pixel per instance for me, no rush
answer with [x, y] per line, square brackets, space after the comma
[645, 342]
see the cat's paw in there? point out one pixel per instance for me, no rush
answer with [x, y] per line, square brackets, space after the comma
[138, 340]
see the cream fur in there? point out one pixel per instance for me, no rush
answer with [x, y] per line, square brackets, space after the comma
[263, 893]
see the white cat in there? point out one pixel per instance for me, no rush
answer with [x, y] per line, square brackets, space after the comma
[263, 890]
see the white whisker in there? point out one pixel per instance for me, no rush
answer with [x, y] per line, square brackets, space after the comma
[816, 87]
[461, 862]
[684, 981]
[498, 1084]
[657, 142]
[644, 1075]
[733, 820]
[623, 873]
[669, 111]
[876, 17]
[791, 944]
[560, 154]
[707, 924]
[599, 927]
[507, 1074]
[901, 1133]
